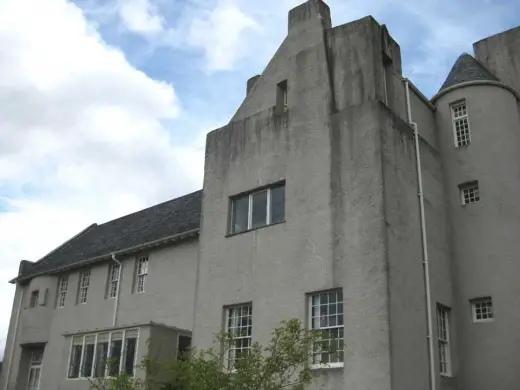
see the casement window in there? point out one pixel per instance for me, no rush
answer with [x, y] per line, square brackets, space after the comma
[84, 284]
[482, 309]
[469, 192]
[33, 300]
[257, 209]
[35, 369]
[459, 117]
[63, 285]
[113, 280]
[141, 273]
[443, 339]
[105, 354]
[183, 347]
[326, 316]
[239, 326]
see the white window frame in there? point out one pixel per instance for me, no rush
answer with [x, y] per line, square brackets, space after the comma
[94, 358]
[232, 348]
[310, 326]
[488, 303]
[113, 280]
[84, 284]
[460, 117]
[141, 273]
[35, 365]
[469, 186]
[63, 286]
[443, 342]
[250, 197]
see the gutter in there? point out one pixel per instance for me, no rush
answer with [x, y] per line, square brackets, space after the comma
[135, 248]
[13, 342]
[442, 92]
[426, 267]
[116, 303]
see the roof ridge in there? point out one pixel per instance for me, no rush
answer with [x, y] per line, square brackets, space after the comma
[149, 207]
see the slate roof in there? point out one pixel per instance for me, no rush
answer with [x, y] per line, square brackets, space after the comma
[466, 69]
[152, 224]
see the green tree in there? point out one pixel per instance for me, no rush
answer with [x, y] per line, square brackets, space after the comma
[283, 363]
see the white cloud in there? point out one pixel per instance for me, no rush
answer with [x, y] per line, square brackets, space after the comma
[222, 34]
[141, 16]
[83, 136]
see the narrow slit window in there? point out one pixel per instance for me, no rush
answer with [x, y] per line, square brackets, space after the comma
[63, 285]
[461, 130]
[35, 295]
[443, 339]
[113, 280]
[281, 97]
[84, 284]
[142, 273]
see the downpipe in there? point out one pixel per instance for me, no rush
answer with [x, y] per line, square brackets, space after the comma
[426, 266]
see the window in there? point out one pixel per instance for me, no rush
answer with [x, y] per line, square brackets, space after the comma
[443, 339]
[142, 272]
[33, 301]
[103, 354]
[183, 347]
[257, 209]
[281, 97]
[35, 369]
[239, 326]
[482, 309]
[84, 284]
[459, 116]
[326, 316]
[63, 285]
[113, 280]
[469, 192]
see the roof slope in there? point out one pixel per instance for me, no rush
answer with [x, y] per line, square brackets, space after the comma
[154, 223]
[466, 69]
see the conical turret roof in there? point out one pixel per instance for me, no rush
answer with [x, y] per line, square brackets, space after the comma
[466, 69]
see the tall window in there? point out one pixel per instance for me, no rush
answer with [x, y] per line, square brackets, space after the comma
[103, 354]
[258, 209]
[239, 326]
[35, 369]
[443, 339]
[35, 295]
[141, 273]
[63, 285]
[113, 280]
[326, 316]
[281, 97]
[482, 309]
[84, 284]
[459, 116]
[469, 192]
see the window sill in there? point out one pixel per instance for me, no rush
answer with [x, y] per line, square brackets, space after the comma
[254, 229]
[446, 375]
[327, 366]
[483, 321]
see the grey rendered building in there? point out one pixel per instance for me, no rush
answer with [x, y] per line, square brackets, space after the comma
[310, 209]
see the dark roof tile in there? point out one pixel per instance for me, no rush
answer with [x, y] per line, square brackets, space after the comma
[154, 223]
[466, 69]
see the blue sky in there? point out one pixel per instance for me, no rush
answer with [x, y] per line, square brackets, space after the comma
[105, 104]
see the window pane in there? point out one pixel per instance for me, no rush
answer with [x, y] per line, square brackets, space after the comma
[259, 209]
[130, 345]
[115, 357]
[75, 359]
[88, 357]
[240, 214]
[101, 358]
[278, 204]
